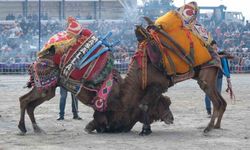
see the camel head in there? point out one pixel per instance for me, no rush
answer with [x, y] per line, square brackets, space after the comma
[44, 72]
[162, 111]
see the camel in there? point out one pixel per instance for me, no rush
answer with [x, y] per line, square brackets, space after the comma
[158, 83]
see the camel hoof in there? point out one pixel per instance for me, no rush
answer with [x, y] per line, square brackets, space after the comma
[207, 129]
[217, 126]
[38, 130]
[145, 132]
[22, 128]
[91, 126]
[101, 130]
[21, 133]
[89, 131]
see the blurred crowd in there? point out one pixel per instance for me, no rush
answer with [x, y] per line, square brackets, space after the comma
[234, 38]
[19, 39]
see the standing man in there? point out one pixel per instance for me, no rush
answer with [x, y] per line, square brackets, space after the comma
[63, 94]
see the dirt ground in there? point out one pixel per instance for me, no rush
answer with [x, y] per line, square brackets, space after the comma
[186, 132]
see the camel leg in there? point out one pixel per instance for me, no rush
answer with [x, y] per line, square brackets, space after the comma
[33, 104]
[21, 124]
[30, 110]
[207, 82]
[216, 108]
[152, 91]
[91, 126]
[146, 128]
[99, 123]
[222, 110]
[24, 100]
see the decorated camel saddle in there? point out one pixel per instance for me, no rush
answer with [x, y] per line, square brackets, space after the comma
[84, 61]
[176, 43]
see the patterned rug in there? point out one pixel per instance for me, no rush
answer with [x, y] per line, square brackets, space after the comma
[43, 74]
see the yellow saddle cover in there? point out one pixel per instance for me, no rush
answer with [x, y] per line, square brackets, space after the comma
[172, 23]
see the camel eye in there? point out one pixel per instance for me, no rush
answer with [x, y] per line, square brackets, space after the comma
[52, 50]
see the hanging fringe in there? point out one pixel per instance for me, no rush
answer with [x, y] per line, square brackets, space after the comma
[144, 67]
[141, 57]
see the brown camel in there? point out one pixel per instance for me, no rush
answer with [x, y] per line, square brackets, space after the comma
[158, 83]
[128, 109]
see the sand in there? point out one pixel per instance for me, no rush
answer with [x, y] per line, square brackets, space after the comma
[186, 132]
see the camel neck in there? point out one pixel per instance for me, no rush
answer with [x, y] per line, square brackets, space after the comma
[131, 87]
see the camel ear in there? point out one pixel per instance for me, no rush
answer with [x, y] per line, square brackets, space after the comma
[167, 99]
[148, 20]
[140, 33]
[52, 50]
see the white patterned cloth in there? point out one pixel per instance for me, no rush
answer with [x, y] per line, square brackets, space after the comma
[188, 14]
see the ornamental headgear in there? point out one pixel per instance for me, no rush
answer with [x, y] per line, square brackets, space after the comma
[188, 12]
[74, 27]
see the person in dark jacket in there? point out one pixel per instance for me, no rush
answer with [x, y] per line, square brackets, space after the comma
[63, 94]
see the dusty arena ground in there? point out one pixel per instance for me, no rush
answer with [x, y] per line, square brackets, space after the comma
[186, 132]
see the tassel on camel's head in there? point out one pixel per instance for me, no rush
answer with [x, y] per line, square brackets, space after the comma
[188, 13]
[74, 28]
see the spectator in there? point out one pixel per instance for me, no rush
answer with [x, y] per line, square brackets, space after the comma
[63, 94]
[89, 17]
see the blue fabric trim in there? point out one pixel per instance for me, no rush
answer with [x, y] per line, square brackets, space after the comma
[93, 57]
[225, 67]
[102, 42]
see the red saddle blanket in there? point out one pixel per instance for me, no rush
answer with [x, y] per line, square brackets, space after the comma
[75, 52]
